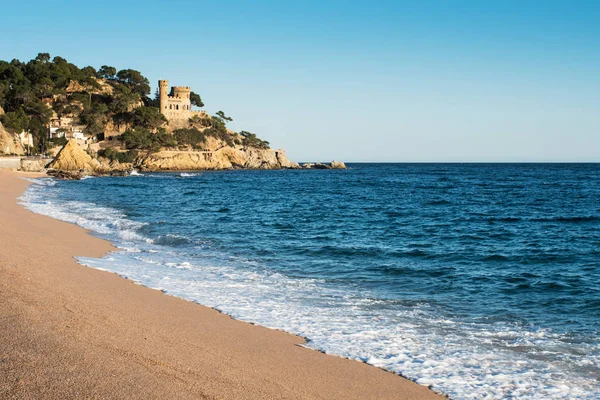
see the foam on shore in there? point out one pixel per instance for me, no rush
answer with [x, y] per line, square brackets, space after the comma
[464, 360]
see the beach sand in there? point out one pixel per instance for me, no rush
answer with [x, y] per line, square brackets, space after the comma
[69, 331]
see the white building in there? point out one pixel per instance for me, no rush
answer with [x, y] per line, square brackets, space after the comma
[55, 133]
[78, 135]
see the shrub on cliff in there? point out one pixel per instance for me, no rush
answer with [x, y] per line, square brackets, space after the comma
[16, 121]
[142, 139]
[122, 157]
[249, 139]
[189, 137]
[58, 141]
[148, 117]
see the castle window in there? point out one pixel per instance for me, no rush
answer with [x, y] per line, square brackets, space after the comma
[177, 107]
[170, 106]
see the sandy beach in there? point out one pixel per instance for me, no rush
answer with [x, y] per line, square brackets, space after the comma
[69, 331]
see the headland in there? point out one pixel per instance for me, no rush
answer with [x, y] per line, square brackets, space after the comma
[110, 116]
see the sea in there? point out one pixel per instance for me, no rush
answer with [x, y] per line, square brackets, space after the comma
[481, 281]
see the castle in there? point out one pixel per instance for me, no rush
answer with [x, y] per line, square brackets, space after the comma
[176, 105]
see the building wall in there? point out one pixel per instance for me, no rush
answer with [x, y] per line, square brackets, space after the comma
[10, 162]
[175, 104]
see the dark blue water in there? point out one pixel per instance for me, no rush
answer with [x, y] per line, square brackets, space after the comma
[481, 280]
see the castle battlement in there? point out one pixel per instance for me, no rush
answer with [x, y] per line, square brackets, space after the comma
[175, 103]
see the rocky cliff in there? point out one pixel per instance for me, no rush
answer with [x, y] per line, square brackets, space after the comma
[9, 144]
[73, 158]
[223, 158]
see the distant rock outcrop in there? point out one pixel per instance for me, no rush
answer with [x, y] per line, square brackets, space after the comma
[337, 165]
[333, 165]
[9, 144]
[72, 158]
[284, 162]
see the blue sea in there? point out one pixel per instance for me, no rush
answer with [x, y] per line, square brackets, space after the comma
[479, 280]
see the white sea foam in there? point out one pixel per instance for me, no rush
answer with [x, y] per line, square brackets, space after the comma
[188, 174]
[464, 360]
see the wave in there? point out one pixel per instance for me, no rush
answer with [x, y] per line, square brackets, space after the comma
[575, 219]
[460, 357]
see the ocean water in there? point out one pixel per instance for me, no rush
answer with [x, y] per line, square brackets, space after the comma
[479, 280]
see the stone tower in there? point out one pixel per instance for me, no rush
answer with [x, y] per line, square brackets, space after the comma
[163, 90]
[176, 105]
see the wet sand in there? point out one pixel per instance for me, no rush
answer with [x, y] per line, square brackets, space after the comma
[69, 331]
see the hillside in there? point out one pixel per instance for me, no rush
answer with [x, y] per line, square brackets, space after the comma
[112, 117]
[9, 144]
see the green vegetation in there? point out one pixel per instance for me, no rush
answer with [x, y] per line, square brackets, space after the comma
[190, 137]
[31, 93]
[122, 157]
[46, 90]
[61, 141]
[196, 138]
[223, 117]
[250, 140]
[142, 139]
[196, 100]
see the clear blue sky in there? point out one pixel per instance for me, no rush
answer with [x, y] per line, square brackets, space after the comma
[354, 80]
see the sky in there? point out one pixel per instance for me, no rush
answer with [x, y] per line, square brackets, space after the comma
[358, 81]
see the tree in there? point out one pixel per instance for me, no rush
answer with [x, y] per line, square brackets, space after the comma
[43, 57]
[218, 124]
[16, 121]
[88, 71]
[122, 98]
[107, 72]
[249, 139]
[135, 80]
[142, 139]
[222, 115]
[196, 100]
[148, 117]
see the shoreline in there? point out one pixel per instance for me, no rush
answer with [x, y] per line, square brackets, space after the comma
[75, 331]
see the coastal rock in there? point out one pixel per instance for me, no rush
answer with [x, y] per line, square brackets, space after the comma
[9, 144]
[66, 175]
[261, 159]
[223, 158]
[284, 162]
[337, 165]
[183, 161]
[333, 165]
[107, 167]
[34, 165]
[72, 158]
[320, 166]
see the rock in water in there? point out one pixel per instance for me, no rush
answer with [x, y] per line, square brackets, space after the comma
[284, 162]
[73, 158]
[337, 165]
[66, 175]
